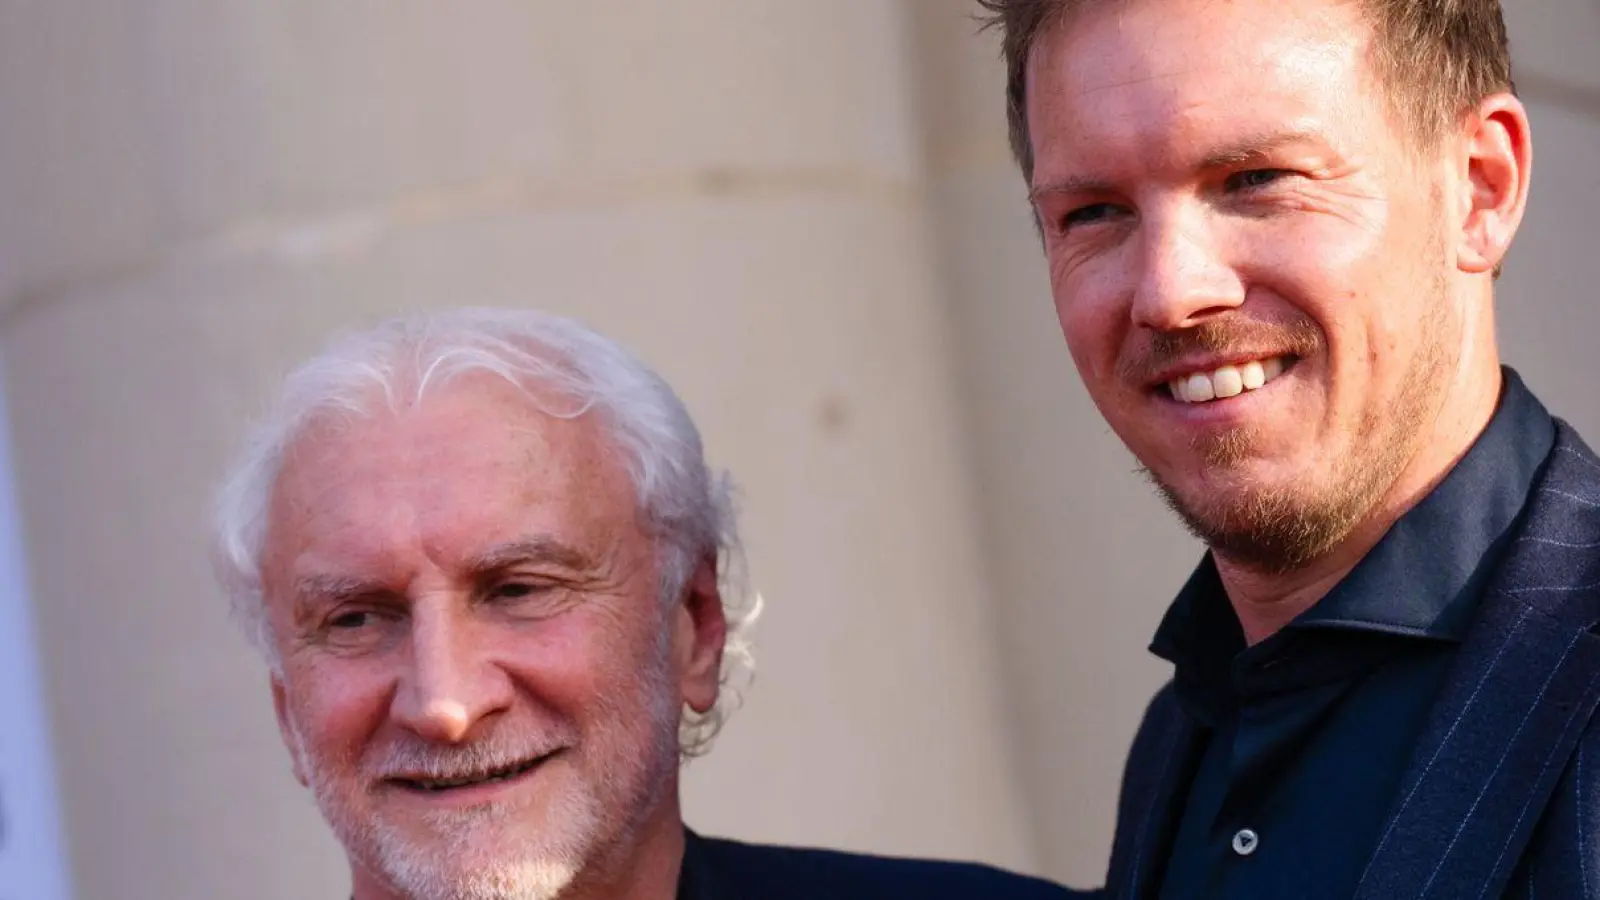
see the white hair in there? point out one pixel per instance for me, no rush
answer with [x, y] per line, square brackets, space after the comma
[685, 506]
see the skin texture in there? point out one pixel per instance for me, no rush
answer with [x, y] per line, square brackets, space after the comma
[1222, 180]
[464, 585]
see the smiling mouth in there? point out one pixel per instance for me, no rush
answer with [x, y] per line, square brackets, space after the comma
[435, 785]
[1228, 381]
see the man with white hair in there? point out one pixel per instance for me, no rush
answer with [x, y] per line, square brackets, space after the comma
[486, 562]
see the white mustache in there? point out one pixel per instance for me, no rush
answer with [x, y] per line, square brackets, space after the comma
[417, 760]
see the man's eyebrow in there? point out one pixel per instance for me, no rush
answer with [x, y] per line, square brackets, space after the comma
[317, 591]
[333, 587]
[1258, 147]
[1069, 185]
[540, 549]
[328, 588]
[1254, 148]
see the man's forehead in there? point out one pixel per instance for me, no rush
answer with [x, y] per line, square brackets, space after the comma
[1172, 44]
[484, 431]
[1191, 78]
[450, 478]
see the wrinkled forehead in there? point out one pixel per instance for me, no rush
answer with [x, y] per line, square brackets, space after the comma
[472, 465]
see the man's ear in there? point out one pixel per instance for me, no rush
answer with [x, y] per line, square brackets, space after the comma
[280, 706]
[1497, 150]
[700, 629]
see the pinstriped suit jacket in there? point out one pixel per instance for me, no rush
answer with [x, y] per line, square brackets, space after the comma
[1502, 794]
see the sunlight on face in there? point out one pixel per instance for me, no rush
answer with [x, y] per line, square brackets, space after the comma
[1248, 260]
[477, 679]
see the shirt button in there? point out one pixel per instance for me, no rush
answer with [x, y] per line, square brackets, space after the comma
[1245, 841]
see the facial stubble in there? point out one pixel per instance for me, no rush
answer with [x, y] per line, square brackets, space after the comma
[1279, 528]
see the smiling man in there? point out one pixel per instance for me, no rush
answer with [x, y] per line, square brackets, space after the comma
[486, 563]
[1272, 231]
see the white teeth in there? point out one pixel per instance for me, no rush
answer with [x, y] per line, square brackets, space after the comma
[1226, 381]
[1252, 375]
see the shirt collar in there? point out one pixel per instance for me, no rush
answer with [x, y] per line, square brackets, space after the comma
[1424, 576]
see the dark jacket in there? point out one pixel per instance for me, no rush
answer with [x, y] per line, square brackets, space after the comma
[1501, 797]
[727, 870]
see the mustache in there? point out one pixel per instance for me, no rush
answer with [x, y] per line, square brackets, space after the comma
[416, 759]
[1144, 362]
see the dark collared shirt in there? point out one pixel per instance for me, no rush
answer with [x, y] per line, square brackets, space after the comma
[1307, 733]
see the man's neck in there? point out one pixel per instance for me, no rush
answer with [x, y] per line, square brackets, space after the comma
[1264, 603]
[647, 870]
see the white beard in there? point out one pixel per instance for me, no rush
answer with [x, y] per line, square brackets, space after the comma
[490, 853]
[502, 851]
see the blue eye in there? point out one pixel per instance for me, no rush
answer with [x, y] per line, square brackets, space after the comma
[1256, 178]
[1088, 215]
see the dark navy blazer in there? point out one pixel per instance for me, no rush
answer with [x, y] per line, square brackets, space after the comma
[1501, 797]
[727, 870]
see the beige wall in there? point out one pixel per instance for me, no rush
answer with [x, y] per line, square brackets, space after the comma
[729, 187]
[802, 213]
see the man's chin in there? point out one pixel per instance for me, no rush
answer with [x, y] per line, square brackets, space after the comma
[454, 870]
[1211, 489]
[488, 852]
[522, 880]
[1273, 526]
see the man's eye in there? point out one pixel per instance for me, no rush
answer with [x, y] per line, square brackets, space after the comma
[1256, 178]
[1087, 215]
[349, 621]
[517, 590]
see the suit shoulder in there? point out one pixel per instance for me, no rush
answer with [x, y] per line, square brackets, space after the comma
[1160, 714]
[1163, 701]
[1153, 746]
[774, 871]
[1571, 462]
[1552, 554]
[1151, 743]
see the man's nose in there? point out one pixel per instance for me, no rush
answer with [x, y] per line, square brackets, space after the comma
[1184, 277]
[452, 684]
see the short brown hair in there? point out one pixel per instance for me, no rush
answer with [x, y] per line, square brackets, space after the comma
[1437, 57]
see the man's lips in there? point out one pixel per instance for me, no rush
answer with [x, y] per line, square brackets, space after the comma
[1198, 382]
[444, 782]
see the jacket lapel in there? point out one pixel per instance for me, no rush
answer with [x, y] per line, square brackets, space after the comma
[1519, 697]
[1159, 768]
